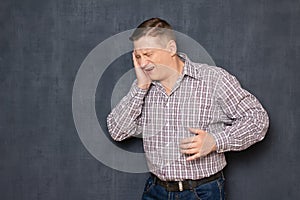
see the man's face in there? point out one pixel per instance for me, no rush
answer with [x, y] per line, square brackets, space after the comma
[154, 58]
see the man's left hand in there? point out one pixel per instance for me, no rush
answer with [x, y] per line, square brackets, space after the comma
[199, 145]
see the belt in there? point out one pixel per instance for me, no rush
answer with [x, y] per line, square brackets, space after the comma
[176, 186]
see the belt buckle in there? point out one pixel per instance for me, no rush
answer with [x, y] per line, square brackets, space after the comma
[180, 186]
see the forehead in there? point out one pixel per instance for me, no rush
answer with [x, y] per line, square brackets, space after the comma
[148, 42]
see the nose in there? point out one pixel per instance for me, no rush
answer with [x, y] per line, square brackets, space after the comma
[143, 62]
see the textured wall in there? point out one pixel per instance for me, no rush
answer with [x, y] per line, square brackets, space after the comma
[43, 43]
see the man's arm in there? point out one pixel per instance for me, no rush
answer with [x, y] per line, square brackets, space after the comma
[249, 119]
[249, 122]
[124, 120]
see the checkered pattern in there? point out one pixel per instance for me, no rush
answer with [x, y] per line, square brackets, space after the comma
[204, 97]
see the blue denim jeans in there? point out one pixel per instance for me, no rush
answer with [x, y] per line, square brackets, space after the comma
[213, 190]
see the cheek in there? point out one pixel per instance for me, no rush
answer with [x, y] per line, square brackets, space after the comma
[165, 63]
[162, 60]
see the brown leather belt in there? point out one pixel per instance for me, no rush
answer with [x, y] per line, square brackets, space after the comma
[176, 186]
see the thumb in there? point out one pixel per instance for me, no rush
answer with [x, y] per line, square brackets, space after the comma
[196, 131]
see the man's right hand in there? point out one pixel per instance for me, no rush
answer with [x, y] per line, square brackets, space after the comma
[143, 79]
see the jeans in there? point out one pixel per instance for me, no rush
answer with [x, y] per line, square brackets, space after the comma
[213, 190]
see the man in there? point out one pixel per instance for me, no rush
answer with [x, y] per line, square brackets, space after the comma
[188, 113]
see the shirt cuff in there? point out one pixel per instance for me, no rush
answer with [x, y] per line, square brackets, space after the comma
[221, 142]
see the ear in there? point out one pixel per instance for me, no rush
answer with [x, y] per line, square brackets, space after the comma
[172, 47]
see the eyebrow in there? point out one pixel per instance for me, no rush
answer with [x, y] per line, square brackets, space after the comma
[143, 51]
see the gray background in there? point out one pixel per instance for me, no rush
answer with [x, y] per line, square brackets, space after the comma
[43, 43]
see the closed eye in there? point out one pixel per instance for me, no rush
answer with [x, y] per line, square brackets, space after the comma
[148, 54]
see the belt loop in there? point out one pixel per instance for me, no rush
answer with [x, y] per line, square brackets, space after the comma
[222, 175]
[154, 179]
[190, 185]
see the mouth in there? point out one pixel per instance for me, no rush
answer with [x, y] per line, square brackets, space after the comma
[148, 69]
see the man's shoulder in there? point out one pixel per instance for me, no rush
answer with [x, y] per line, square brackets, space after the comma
[204, 71]
[201, 70]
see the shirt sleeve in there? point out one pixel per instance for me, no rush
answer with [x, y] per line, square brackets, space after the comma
[249, 119]
[124, 120]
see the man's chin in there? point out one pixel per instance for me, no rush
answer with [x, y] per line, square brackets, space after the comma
[153, 78]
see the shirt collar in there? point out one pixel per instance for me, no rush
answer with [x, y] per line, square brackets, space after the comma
[189, 68]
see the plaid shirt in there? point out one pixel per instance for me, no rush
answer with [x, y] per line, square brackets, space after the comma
[204, 97]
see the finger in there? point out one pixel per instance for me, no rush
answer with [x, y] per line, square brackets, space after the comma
[190, 151]
[193, 157]
[188, 140]
[188, 145]
[134, 60]
[196, 130]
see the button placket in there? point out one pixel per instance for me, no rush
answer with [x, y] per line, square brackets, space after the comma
[166, 112]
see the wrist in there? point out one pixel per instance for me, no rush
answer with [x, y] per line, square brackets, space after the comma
[143, 86]
[214, 148]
